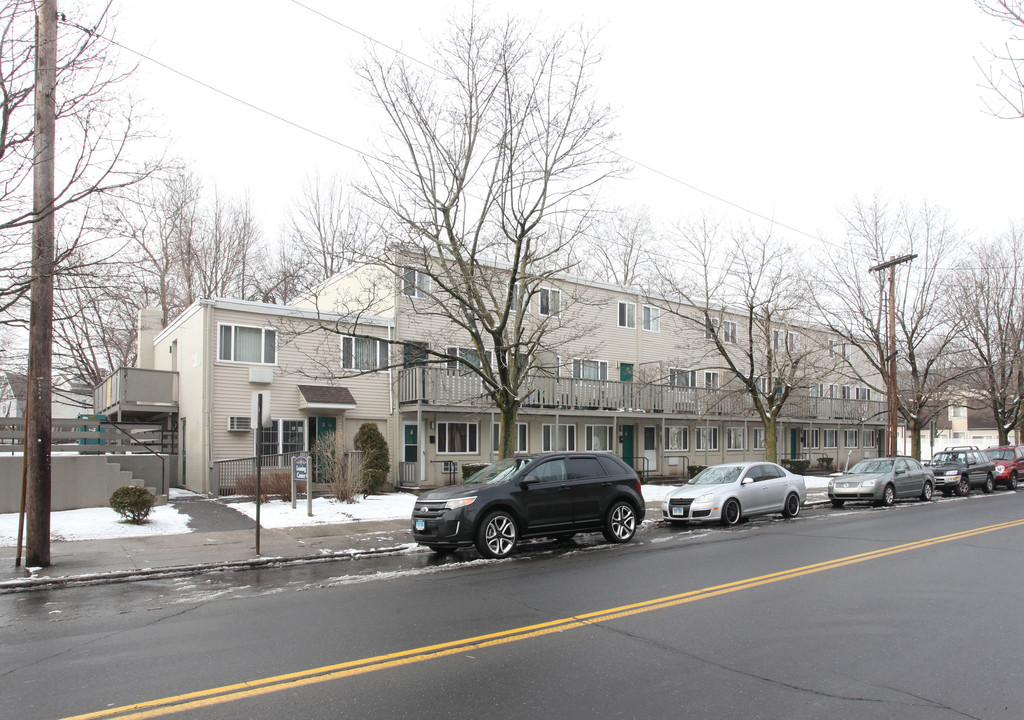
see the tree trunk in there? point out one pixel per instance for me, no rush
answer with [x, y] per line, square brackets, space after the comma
[507, 430]
[771, 440]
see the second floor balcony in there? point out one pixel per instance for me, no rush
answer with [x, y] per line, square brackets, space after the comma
[453, 389]
[134, 392]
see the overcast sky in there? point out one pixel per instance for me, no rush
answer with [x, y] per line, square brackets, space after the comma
[788, 109]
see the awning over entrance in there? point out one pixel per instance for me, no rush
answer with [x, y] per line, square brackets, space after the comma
[321, 397]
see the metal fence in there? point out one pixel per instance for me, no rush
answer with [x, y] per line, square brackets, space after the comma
[228, 475]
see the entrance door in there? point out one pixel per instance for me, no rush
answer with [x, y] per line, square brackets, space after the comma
[650, 451]
[325, 426]
[626, 378]
[626, 432]
[794, 440]
[182, 448]
[410, 442]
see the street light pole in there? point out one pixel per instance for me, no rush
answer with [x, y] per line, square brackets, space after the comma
[890, 359]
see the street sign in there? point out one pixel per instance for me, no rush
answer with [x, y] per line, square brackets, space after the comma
[300, 473]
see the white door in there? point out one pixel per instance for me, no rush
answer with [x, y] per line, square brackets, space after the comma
[650, 448]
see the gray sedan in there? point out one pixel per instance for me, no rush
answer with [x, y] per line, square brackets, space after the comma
[882, 481]
[727, 493]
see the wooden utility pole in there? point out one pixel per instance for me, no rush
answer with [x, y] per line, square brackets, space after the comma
[892, 387]
[40, 360]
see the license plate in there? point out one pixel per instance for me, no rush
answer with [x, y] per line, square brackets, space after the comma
[421, 525]
[679, 512]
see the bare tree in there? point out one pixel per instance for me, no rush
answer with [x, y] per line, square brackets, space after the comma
[485, 178]
[744, 291]
[851, 301]
[987, 300]
[618, 250]
[96, 120]
[1006, 81]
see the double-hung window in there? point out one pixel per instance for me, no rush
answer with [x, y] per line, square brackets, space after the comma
[707, 438]
[651, 319]
[244, 344]
[677, 437]
[590, 369]
[627, 315]
[711, 379]
[734, 438]
[678, 377]
[561, 438]
[831, 438]
[850, 439]
[729, 332]
[758, 439]
[457, 438]
[364, 354]
[599, 438]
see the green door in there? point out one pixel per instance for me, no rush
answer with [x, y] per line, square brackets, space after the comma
[626, 432]
[412, 445]
[626, 372]
[794, 443]
[324, 426]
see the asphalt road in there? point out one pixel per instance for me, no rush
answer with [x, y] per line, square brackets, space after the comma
[905, 612]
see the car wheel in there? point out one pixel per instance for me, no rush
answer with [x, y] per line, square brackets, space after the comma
[926, 492]
[497, 535]
[888, 496]
[731, 512]
[989, 485]
[963, 488]
[1012, 485]
[620, 523]
[838, 503]
[792, 507]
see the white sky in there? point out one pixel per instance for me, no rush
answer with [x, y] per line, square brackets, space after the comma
[788, 108]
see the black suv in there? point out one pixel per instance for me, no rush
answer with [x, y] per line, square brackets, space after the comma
[554, 494]
[961, 469]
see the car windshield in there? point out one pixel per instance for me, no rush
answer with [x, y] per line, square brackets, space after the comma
[498, 472]
[871, 466]
[945, 458]
[999, 454]
[718, 475]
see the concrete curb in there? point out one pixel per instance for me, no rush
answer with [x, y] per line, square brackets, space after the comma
[44, 583]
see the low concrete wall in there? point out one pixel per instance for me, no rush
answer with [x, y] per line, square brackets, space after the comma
[77, 481]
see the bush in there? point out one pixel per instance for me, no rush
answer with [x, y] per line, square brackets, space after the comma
[468, 469]
[796, 466]
[336, 467]
[694, 469]
[376, 457]
[825, 463]
[132, 503]
[274, 484]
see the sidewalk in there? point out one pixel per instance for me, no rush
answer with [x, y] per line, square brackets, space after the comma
[202, 550]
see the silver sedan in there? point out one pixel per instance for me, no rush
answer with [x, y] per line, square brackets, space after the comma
[727, 493]
[882, 481]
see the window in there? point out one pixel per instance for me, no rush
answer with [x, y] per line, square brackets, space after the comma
[590, 369]
[847, 392]
[239, 343]
[711, 379]
[832, 389]
[831, 438]
[678, 377]
[707, 438]
[870, 438]
[456, 437]
[729, 332]
[627, 315]
[360, 353]
[414, 353]
[415, 283]
[792, 341]
[810, 438]
[677, 437]
[550, 302]
[652, 319]
[734, 438]
[710, 328]
[863, 393]
[462, 358]
[959, 436]
[283, 436]
[563, 438]
[817, 391]
[850, 439]
[758, 438]
[762, 385]
[518, 294]
[520, 442]
[599, 438]
[959, 411]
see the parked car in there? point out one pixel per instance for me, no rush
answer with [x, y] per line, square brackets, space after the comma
[553, 494]
[961, 469]
[882, 481]
[1009, 464]
[727, 493]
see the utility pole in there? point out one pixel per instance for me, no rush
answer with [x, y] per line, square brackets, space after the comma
[40, 361]
[890, 359]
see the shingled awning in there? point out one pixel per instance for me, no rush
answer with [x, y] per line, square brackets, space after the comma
[321, 397]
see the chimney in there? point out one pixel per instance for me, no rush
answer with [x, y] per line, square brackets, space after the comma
[150, 324]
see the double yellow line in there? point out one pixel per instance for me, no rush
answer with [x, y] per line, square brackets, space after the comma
[291, 681]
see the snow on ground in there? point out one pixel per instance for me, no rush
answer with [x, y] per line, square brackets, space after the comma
[327, 511]
[97, 524]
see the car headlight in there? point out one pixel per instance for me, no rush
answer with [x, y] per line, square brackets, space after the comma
[868, 483]
[705, 498]
[951, 473]
[459, 502]
[831, 484]
[1000, 469]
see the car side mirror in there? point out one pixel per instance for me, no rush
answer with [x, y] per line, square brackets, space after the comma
[901, 472]
[529, 480]
[746, 481]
